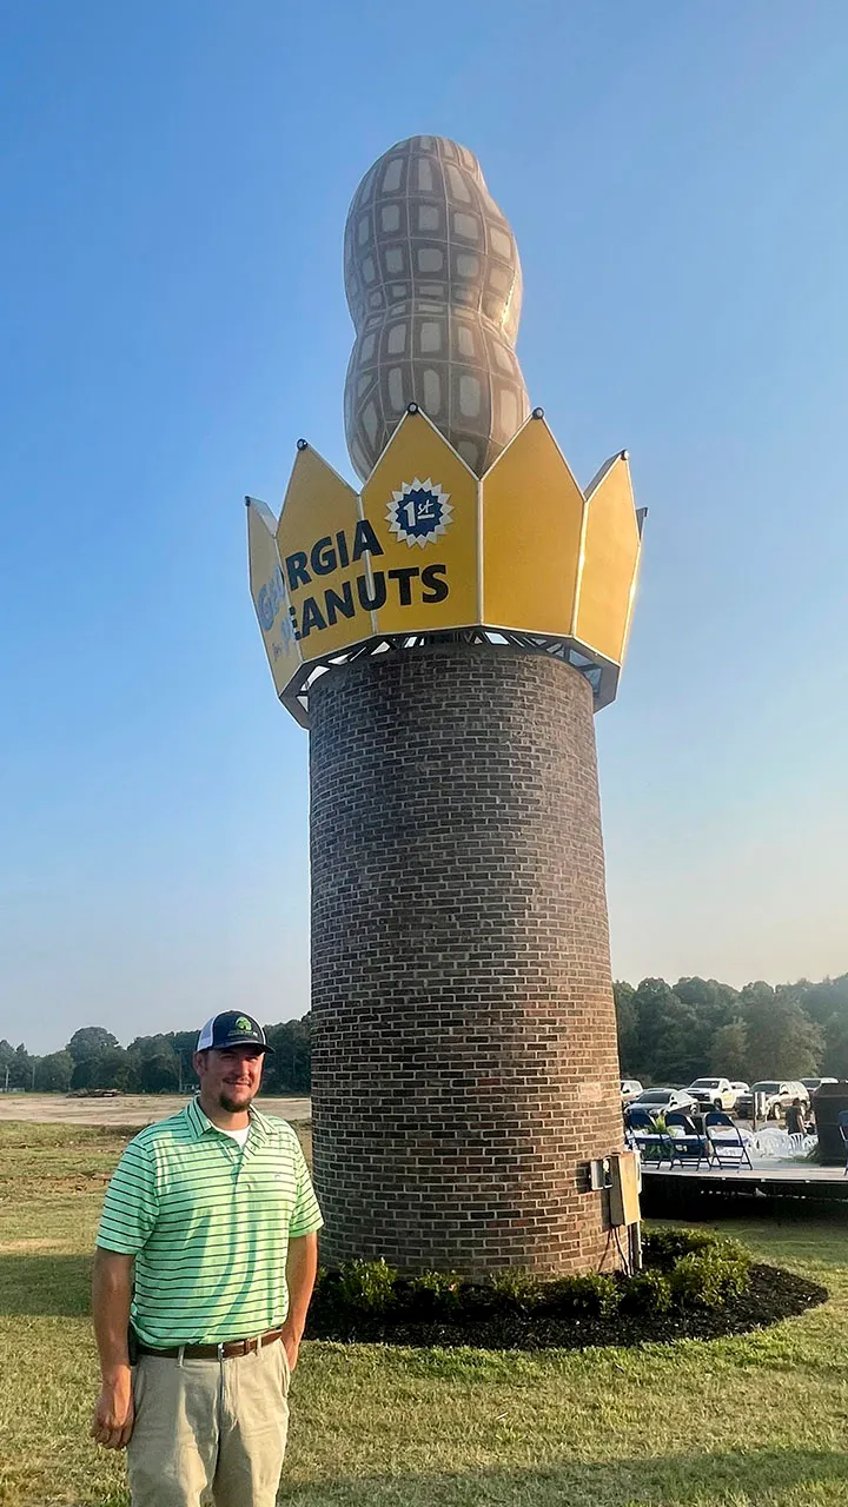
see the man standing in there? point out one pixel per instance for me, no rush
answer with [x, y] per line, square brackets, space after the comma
[206, 1257]
[795, 1122]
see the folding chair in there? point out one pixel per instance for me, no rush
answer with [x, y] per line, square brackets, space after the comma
[687, 1146]
[842, 1122]
[646, 1138]
[727, 1149]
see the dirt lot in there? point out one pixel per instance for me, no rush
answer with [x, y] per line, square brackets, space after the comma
[125, 1109]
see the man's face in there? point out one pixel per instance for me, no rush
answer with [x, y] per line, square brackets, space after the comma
[229, 1076]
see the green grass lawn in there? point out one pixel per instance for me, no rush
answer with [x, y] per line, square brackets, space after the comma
[745, 1422]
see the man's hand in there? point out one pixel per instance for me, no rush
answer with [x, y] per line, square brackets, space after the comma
[301, 1266]
[291, 1344]
[111, 1292]
[113, 1416]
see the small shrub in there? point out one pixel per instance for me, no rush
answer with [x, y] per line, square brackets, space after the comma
[646, 1292]
[326, 1306]
[514, 1288]
[480, 1300]
[594, 1295]
[707, 1278]
[430, 1295]
[366, 1286]
[664, 1248]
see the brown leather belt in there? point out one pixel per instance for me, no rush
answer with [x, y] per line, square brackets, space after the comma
[225, 1351]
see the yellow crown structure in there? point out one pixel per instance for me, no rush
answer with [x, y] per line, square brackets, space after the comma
[518, 556]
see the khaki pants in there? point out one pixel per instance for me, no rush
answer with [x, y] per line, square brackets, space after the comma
[209, 1432]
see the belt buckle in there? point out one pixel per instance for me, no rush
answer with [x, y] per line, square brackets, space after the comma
[221, 1350]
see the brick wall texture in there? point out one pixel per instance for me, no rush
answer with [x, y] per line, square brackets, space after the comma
[465, 1064]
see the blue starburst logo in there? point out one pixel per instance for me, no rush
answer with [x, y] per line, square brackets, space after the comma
[419, 512]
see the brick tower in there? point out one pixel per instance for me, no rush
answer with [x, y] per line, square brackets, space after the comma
[446, 635]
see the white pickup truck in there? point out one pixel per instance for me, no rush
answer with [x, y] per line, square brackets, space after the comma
[713, 1093]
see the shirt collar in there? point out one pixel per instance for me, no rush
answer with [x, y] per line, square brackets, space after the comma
[200, 1123]
[197, 1120]
[260, 1123]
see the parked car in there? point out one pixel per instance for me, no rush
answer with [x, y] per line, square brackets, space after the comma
[740, 1089]
[658, 1101]
[812, 1084]
[713, 1093]
[630, 1088]
[778, 1095]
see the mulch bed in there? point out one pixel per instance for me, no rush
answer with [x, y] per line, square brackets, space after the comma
[773, 1294]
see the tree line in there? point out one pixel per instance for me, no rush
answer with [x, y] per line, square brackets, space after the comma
[666, 1034]
[94, 1059]
[671, 1034]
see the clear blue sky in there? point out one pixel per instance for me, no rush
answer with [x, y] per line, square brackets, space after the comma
[174, 183]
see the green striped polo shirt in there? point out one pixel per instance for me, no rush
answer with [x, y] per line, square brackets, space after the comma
[209, 1225]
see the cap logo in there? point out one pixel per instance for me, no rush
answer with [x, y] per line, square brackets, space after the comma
[243, 1024]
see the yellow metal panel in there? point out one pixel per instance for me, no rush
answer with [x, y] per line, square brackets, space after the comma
[611, 555]
[269, 596]
[532, 514]
[321, 551]
[421, 501]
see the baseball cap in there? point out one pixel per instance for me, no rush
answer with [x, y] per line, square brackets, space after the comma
[232, 1028]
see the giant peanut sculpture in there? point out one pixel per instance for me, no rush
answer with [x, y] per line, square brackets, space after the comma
[434, 288]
